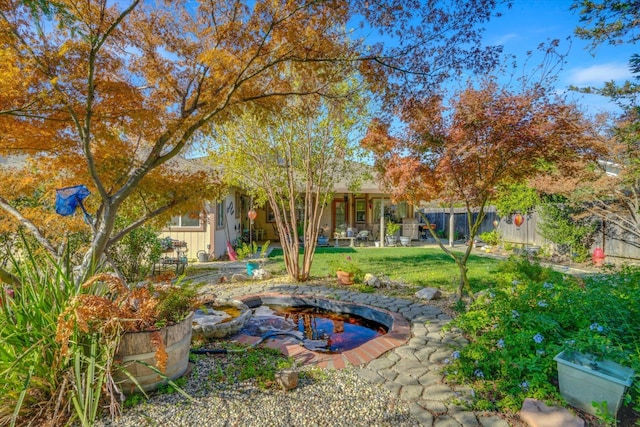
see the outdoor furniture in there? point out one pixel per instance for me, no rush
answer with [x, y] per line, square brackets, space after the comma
[175, 254]
[363, 236]
[350, 238]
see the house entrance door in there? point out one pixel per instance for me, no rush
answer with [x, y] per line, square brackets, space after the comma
[340, 214]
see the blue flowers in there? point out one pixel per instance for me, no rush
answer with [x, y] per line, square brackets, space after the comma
[547, 285]
[500, 343]
[595, 327]
[524, 385]
[478, 373]
[515, 314]
[455, 355]
[542, 303]
[538, 338]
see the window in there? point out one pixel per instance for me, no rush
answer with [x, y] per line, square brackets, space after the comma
[394, 213]
[270, 215]
[190, 220]
[220, 214]
[361, 210]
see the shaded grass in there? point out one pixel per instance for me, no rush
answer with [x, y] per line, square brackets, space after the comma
[418, 266]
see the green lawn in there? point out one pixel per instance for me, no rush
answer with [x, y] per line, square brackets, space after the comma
[415, 265]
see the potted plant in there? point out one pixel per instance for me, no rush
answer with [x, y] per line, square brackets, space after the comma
[594, 385]
[252, 253]
[347, 271]
[392, 229]
[147, 329]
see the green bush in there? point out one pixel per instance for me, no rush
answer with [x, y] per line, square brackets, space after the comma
[533, 313]
[492, 237]
[572, 236]
[38, 382]
[137, 252]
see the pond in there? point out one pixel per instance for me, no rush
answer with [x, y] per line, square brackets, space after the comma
[321, 325]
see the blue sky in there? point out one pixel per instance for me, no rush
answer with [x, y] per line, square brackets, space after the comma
[529, 23]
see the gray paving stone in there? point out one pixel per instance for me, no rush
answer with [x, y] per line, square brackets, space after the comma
[422, 318]
[406, 353]
[435, 337]
[406, 380]
[388, 374]
[411, 393]
[418, 329]
[423, 416]
[446, 421]
[466, 418]
[380, 363]
[435, 407]
[424, 353]
[444, 317]
[440, 356]
[394, 388]
[392, 356]
[417, 342]
[429, 379]
[438, 392]
[412, 368]
[492, 421]
[371, 376]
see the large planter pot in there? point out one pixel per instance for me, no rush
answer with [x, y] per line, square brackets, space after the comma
[344, 278]
[405, 240]
[583, 382]
[136, 347]
[391, 240]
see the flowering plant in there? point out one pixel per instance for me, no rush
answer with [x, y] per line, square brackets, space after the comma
[530, 315]
[348, 265]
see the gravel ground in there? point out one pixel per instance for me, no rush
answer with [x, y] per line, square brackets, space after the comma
[322, 398]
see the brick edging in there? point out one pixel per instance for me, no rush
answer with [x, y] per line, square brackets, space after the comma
[399, 333]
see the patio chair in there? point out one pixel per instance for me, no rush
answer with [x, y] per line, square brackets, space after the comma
[362, 235]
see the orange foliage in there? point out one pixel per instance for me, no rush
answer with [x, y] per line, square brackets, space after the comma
[122, 310]
[491, 137]
[111, 95]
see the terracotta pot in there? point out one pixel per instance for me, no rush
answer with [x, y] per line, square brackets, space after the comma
[344, 278]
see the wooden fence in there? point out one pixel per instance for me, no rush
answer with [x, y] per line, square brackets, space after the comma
[618, 247]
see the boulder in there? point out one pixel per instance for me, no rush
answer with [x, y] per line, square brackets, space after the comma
[429, 294]
[240, 277]
[287, 379]
[371, 280]
[261, 274]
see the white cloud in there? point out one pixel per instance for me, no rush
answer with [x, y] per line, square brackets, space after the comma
[598, 74]
[502, 40]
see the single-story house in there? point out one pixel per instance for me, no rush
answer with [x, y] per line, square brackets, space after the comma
[226, 220]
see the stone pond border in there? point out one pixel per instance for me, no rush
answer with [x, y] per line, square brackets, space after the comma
[399, 334]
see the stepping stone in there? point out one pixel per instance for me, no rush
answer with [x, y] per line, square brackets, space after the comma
[537, 414]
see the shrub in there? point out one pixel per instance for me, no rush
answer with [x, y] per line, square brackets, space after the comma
[137, 252]
[529, 316]
[34, 375]
[492, 237]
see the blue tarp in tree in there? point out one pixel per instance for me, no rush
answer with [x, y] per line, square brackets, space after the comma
[69, 198]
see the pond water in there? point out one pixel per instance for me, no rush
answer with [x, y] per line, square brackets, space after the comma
[320, 329]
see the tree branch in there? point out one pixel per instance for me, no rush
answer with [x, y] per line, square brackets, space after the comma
[4, 204]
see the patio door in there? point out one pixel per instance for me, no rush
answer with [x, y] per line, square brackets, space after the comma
[340, 213]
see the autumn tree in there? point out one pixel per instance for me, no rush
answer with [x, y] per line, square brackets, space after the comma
[109, 93]
[608, 188]
[291, 160]
[490, 137]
